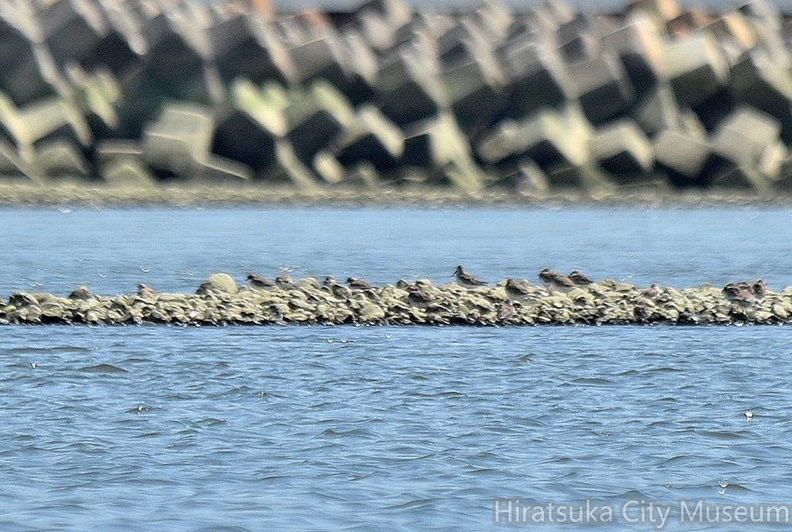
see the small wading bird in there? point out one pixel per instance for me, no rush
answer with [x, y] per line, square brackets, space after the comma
[284, 280]
[466, 279]
[759, 288]
[555, 280]
[579, 279]
[81, 292]
[515, 290]
[144, 290]
[259, 281]
[739, 293]
[359, 284]
[417, 297]
[652, 291]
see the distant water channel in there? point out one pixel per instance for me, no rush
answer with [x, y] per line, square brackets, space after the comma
[385, 428]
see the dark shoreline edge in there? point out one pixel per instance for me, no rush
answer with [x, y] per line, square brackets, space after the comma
[21, 194]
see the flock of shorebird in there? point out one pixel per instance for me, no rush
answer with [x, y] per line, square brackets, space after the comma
[742, 292]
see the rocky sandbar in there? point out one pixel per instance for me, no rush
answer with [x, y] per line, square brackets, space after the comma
[220, 301]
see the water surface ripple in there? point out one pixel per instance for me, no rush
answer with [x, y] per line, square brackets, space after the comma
[308, 428]
[383, 428]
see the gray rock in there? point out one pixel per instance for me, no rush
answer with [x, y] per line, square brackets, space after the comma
[602, 87]
[664, 9]
[321, 58]
[72, 29]
[241, 137]
[622, 149]
[243, 47]
[435, 141]
[545, 138]
[218, 283]
[639, 46]
[61, 158]
[761, 83]
[289, 168]
[179, 140]
[29, 72]
[682, 156]
[11, 165]
[695, 67]
[537, 77]
[122, 46]
[129, 172]
[476, 91]
[408, 88]
[220, 169]
[316, 119]
[373, 138]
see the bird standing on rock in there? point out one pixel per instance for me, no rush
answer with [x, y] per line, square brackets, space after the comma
[144, 290]
[579, 279]
[759, 288]
[515, 290]
[466, 279]
[82, 293]
[284, 280]
[417, 297]
[555, 280]
[652, 292]
[359, 284]
[739, 293]
[259, 281]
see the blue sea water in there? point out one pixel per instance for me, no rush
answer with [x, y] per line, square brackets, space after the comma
[385, 428]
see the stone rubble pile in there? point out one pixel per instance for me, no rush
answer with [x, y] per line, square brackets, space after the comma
[220, 301]
[134, 92]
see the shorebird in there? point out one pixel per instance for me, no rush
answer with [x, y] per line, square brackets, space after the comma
[759, 288]
[329, 281]
[555, 280]
[579, 279]
[466, 279]
[144, 290]
[284, 280]
[652, 292]
[359, 284]
[739, 293]
[417, 297]
[259, 281]
[515, 289]
[748, 415]
[81, 292]
[339, 291]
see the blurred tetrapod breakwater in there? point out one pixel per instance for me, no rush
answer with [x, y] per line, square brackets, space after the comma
[139, 92]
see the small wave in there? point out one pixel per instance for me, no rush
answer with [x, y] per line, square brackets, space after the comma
[102, 368]
[723, 435]
[592, 381]
[675, 459]
[46, 350]
[664, 369]
[415, 504]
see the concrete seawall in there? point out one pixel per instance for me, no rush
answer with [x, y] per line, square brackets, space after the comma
[139, 93]
[220, 301]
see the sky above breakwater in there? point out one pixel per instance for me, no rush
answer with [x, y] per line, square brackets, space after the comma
[459, 5]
